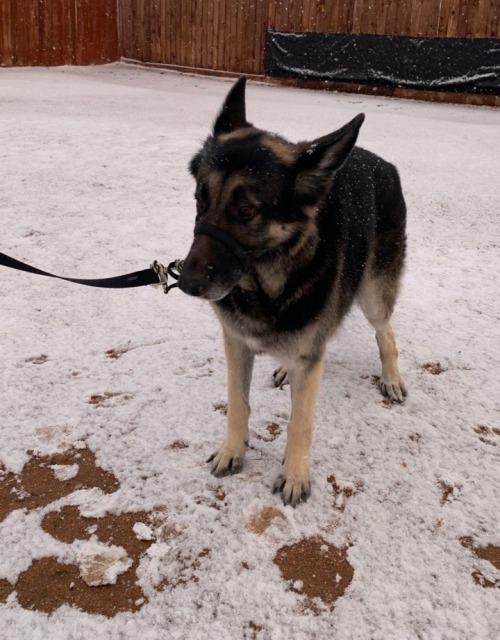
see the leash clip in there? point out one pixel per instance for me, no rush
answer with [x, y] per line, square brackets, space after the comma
[162, 272]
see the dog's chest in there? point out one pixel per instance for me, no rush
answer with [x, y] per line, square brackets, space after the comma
[249, 317]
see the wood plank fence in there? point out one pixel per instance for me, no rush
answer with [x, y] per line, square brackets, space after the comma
[229, 35]
[226, 35]
[217, 35]
[55, 32]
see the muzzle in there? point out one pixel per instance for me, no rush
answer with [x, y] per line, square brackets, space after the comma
[215, 265]
[225, 238]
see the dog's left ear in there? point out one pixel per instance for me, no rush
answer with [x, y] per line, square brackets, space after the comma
[232, 115]
[195, 163]
[320, 159]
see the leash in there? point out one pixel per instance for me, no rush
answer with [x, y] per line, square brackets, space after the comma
[157, 274]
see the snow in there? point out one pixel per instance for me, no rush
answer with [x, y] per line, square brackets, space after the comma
[95, 184]
[101, 564]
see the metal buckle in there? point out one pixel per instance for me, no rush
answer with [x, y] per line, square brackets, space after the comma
[162, 274]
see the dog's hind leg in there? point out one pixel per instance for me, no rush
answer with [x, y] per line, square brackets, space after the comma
[239, 359]
[280, 377]
[293, 481]
[377, 298]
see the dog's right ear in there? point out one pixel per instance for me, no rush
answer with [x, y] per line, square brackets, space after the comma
[320, 159]
[194, 165]
[232, 115]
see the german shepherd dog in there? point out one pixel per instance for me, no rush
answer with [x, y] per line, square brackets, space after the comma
[287, 237]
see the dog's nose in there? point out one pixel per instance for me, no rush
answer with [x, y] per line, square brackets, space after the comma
[195, 276]
[193, 285]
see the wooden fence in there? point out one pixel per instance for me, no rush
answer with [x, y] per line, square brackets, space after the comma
[55, 32]
[228, 35]
[218, 35]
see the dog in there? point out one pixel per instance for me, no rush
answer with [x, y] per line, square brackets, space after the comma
[287, 237]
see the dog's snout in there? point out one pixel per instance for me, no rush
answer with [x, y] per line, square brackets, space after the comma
[194, 285]
[210, 270]
[196, 276]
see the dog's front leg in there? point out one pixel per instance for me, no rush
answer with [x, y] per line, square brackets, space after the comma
[293, 481]
[239, 358]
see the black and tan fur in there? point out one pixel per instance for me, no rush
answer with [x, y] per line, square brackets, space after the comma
[324, 225]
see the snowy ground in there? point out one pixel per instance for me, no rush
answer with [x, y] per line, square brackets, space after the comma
[94, 183]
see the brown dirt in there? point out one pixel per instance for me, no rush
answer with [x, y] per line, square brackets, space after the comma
[491, 553]
[435, 368]
[48, 584]
[101, 399]
[251, 631]
[446, 491]
[260, 521]
[488, 435]
[323, 569]
[179, 444]
[221, 407]
[68, 525]
[341, 494]
[218, 493]
[41, 359]
[273, 429]
[114, 354]
[37, 485]
[5, 589]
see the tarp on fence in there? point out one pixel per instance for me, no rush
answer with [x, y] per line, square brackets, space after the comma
[470, 65]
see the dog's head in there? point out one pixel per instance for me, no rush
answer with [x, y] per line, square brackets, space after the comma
[256, 194]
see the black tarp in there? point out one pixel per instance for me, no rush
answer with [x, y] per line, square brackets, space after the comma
[471, 65]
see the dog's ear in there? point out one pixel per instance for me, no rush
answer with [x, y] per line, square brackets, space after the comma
[232, 114]
[318, 160]
[194, 165]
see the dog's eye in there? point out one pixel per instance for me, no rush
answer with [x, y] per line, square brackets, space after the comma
[246, 211]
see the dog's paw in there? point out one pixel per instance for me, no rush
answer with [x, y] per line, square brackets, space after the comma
[280, 377]
[226, 461]
[395, 391]
[293, 489]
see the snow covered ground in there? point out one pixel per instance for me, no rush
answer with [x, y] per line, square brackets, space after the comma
[94, 183]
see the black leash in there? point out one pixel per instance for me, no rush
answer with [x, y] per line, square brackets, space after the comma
[156, 274]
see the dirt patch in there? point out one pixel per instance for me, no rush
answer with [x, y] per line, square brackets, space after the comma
[251, 631]
[38, 484]
[103, 578]
[315, 569]
[218, 493]
[221, 407]
[188, 565]
[435, 368]
[273, 429]
[448, 491]
[68, 525]
[5, 589]
[179, 444]
[114, 354]
[48, 584]
[488, 435]
[260, 521]
[101, 399]
[491, 553]
[41, 359]
[342, 493]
